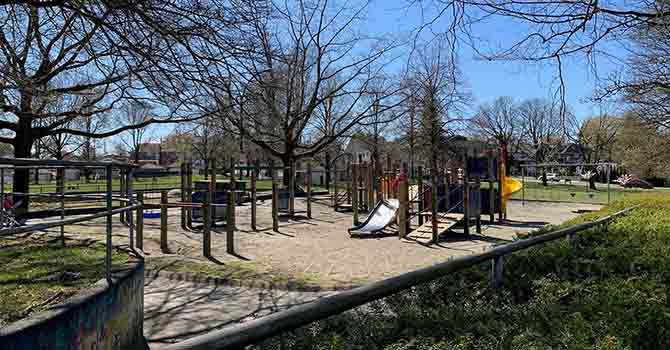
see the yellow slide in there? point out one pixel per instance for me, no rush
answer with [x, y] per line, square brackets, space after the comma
[509, 186]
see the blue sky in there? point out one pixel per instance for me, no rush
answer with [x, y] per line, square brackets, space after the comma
[392, 19]
[488, 80]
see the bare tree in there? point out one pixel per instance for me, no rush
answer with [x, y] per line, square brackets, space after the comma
[583, 31]
[134, 113]
[409, 125]
[499, 121]
[210, 141]
[310, 59]
[374, 131]
[542, 129]
[596, 137]
[103, 54]
[441, 98]
[645, 80]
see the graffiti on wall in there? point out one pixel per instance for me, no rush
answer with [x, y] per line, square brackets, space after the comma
[111, 319]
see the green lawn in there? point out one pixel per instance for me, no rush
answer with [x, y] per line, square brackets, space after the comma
[139, 184]
[35, 274]
[608, 288]
[573, 193]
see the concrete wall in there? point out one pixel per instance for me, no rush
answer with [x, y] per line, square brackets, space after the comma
[101, 317]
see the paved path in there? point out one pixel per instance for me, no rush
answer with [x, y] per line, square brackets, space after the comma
[177, 310]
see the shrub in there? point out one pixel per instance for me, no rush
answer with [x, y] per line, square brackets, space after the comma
[606, 289]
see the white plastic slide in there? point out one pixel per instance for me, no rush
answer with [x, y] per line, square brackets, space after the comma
[382, 215]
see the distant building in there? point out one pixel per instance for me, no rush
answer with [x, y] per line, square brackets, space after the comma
[149, 153]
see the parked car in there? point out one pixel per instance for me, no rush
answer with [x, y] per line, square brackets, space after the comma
[551, 177]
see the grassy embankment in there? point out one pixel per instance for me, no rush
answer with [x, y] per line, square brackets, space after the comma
[609, 288]
[35, 273]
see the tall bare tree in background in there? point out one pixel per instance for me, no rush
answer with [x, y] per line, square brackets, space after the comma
[596, 136]
[133, 113]
[541, 129]
[375, 129]
[500, 122]
[441, 97]
[210, 141]
[311, 58]
[583, 31]
[409, 122]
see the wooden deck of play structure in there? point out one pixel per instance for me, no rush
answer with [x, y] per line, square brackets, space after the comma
[424, 233]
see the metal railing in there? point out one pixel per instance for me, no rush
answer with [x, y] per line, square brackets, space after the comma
[130, 203]
[263, 328]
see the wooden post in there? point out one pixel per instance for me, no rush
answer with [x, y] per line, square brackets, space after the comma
[335, 192]
[492, 191]
[189, 193]
[230, 224]
[308, 186]
[129, 214]
[354, 193]
[446, 189]
[501, 175]
[433, 205]
[254, 176]
[164, 222]
[419, 185]
[523, 185]
[291, 190]
[122, 193]
[207, 212]
[230, 210]
[478, 219]
[108, 226]
[275, 200]
[497, 272]
[182, 173]
[349, 183]
[466, 198]
[233, 188]
[609, 193]
[139, 213]
[60, 186]
[403, 223]
[371, 187]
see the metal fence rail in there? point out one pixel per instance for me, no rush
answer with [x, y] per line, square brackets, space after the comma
[129, 201]
[266, 327]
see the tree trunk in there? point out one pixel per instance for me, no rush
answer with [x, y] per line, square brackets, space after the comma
[544, 178]
[206, 162]
[23, 143]
[592, 183]
[327, 168]
[286, 171]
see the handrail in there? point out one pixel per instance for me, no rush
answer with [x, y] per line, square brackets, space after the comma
[268, 326]
[46, 225]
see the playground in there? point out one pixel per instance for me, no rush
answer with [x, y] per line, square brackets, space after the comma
[319, 251]
[264, 231]
[285, 243]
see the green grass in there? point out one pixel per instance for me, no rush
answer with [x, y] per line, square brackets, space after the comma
[139, 184]
[33, 272]
[609, 288]
[573, 193]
